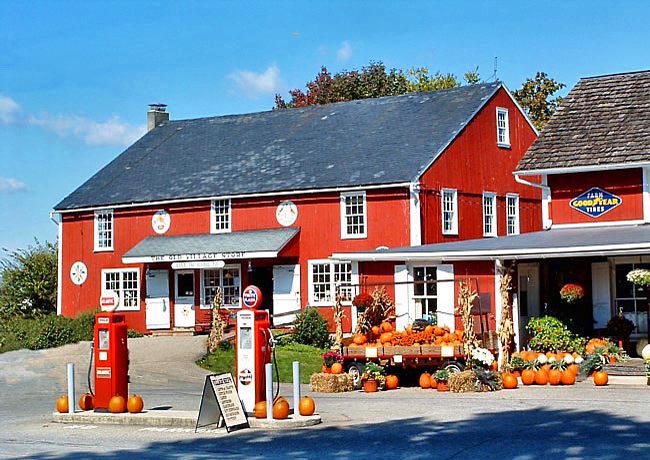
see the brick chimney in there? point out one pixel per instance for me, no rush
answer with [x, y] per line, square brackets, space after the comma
[156, 115]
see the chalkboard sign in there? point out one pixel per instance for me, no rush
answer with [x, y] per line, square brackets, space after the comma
[220, 403]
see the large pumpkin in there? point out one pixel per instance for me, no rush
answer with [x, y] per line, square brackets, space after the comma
[135, 404]
[259, 411]
[359, 339]
[509, 381]
[386, 327]
[554, 376]
[392, 382]
[281, 409]
[541, 377]
[62, 404]
[306, 406]
[568, 377]
[337, 368]
[425, 380]
[117, 405]
[527, 376]
[86, 402]
[600, 378]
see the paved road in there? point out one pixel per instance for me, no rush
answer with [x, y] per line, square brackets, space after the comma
[580, 422]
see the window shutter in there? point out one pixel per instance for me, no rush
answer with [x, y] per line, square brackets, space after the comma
[446, 298]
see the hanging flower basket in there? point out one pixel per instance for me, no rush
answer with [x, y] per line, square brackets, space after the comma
[571, 293]
[639, 276]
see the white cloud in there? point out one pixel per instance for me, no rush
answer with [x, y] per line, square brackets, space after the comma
[255, 84]
[344, 53]
[113, 131]
[8, 109]
[9, 185]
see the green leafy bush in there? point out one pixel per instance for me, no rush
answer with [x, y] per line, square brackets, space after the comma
[550, 334]
[310, 328]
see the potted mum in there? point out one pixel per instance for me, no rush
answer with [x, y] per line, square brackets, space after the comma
[442, 376]
[362, 301]
[373, 377]
[329, 359]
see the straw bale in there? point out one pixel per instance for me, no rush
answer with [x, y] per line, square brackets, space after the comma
[331, 383]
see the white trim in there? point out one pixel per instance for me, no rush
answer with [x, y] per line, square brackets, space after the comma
[120, 291]
[98, 212]
[516, 215]
[547, 201]
[200, 256]
[521, 109]
[579, 169]
[493, 196]
[59, 259]
[310, 278]
[506, 134]
[344, 224]
[213, 217]
[415, 215]
[617, 223]
[354, 280]
[646, 193]
[454, 221]
[498, 307]
[243, 196]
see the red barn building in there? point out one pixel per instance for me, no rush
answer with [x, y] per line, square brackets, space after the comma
[267, 198]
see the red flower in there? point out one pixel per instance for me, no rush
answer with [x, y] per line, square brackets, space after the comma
[572, 292]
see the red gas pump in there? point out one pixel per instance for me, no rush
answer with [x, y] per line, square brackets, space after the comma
[111, 359]
[253, 342]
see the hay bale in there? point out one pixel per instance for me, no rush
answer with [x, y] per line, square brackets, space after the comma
[462, 382]
[331, 383]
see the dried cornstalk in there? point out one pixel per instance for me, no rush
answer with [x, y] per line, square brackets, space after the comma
[217, 326]
[338, 320]
[506, 331]
[466, 299]
[382, 306]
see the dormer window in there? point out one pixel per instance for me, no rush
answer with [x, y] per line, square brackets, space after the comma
[503, 128]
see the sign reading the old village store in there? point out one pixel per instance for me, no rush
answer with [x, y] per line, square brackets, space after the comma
[595, 202]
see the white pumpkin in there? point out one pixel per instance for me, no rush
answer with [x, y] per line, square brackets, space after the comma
[568, 359]
[579, 360]
[551, 359]
[542, 359]
[645, 353]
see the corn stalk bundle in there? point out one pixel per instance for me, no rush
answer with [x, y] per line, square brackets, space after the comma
[379, 311]
[466, 299]
[506, 330]
[217, 326]
[462, 382]
[338, 320]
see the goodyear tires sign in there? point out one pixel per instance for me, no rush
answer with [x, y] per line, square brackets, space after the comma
[595, 202]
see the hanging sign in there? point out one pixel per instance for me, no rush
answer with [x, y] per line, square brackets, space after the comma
[595, 202]
[220, 403]
[161, 221]
[198, 264]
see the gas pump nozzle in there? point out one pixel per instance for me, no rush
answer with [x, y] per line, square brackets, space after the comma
[272, 341]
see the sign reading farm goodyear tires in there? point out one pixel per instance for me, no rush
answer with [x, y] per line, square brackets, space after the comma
[595, 202]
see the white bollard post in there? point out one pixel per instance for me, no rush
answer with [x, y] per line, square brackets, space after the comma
[71, 398]
[268, 371]
[296, 387]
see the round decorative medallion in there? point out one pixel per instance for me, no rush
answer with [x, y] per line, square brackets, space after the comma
[78, 273]
[161, 221]
[286, 213]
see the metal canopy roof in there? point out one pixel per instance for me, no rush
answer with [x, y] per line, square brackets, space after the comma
[236, 245]
[554, 243]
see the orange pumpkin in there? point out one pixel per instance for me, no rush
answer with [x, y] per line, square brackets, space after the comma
[541, 377]
[574, 368]
[386, 327]
[306, 406]
[391, 382]
[359, 339]
[117, 404]
[386, 337]
[600, 378]
[425, 380]
[337, 368]
[259, 411]
[135, 404]
[527, 376]
[509, 381]
[281, 409]
[567, 377]
[87, 402]
[376, 331]
[554, 376]
[62, 404]
[428, 330]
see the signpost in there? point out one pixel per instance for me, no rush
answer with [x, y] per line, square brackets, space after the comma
[220, 403]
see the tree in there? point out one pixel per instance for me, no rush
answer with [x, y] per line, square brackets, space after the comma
[373, 80]
[534, 98]
[28, 281]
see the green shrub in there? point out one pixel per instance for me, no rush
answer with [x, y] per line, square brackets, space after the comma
[550, 334]
[310, 328]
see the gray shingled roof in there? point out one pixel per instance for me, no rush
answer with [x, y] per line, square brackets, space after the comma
[367, 142]
[602, 121]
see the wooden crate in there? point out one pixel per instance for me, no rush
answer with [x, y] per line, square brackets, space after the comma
[430, 350]
[404, 351]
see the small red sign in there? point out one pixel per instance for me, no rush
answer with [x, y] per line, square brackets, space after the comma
[252, 297]
[107, 302]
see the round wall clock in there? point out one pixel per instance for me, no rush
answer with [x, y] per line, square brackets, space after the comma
[78, 273]
[286, 213]
[161, 221]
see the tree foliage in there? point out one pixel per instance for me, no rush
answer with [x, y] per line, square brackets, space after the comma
[373, 80]
[28, 280]
[535, 98]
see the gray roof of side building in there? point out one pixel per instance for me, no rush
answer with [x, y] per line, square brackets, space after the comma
[386, 140]
[602, 121]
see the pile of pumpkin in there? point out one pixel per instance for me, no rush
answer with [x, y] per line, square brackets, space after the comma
[385, 335]
[281, 408]
[536, 368]
[116, 405]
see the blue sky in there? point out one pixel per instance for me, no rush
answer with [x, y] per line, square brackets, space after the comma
[76, 76]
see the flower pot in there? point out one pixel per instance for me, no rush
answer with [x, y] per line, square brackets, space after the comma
[442, 386]
[370, 386]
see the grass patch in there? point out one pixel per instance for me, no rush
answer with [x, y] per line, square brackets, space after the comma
[310, 358]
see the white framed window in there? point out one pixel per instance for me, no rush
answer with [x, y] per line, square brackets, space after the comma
[228, 279]
[503, 127]
[104, 230]
[126, 282]
[512, 213]
[220, 216]
[489, 214]
[425, 291]
[324, 277]
[449, 206]
[353, 215]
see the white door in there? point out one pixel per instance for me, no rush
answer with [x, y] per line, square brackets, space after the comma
[528, 299]
[286, 293]
[184, 300]
[157, 301]
[600, 295]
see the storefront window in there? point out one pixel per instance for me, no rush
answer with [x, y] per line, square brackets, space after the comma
[425, 290]
[228, 279]
[631, 298]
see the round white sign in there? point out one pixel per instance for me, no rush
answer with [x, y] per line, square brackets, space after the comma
[286, 213]
[109, 300]
[161, 221]
[78, 273]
